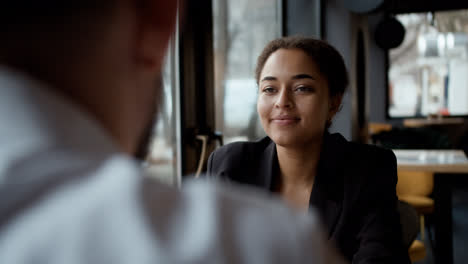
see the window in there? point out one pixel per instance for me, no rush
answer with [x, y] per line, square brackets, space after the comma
[164, 155]
[241, 29]
[428, 73]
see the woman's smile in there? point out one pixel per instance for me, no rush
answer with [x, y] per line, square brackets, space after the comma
[285, 120]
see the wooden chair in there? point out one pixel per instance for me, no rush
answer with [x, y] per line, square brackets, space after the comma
[409, 226]
[375, 128]
[414, 188]
[417, 251]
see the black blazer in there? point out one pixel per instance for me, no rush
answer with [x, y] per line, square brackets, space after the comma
[354, 192]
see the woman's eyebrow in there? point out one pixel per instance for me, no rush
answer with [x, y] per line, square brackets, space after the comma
[302, 76]
[268, 78]
[295, 77]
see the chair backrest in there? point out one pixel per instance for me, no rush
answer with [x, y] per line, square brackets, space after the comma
[375, 128]
[415, 183]
[409, 220]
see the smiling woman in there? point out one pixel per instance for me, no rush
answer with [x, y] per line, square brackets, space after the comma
[293, 101]
[301, 82]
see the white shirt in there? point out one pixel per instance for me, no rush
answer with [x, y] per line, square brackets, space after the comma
[68, 196]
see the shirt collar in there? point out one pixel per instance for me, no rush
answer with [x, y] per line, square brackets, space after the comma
[34, 119]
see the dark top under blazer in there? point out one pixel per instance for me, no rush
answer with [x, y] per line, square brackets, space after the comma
[354, 192]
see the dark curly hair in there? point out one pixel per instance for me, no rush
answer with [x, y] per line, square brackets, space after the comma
[328, 60]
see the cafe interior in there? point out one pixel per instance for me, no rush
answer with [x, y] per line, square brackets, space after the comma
[407, 63]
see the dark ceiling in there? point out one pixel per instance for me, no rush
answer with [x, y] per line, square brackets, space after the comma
[409, 6]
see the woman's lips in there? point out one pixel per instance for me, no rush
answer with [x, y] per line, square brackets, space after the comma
[284, 121]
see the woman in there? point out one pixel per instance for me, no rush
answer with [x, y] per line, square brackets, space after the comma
[301, 82]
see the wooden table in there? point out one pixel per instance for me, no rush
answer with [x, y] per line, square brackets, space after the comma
[448, 167]
[418, 122]
[436, 161]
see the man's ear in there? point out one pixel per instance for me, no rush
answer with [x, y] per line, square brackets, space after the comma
[151, 48]
[156, 23]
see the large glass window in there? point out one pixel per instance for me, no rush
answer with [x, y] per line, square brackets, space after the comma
[241, 30]
[164, 157]
[428, 73]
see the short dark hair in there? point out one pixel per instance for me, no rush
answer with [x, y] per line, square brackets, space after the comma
[328, 60]
[37, 34]
[19, 13]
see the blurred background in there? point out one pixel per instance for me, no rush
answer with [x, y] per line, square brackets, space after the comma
[408, 66]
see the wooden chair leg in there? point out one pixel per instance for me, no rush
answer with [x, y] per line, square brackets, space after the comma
[421, 226]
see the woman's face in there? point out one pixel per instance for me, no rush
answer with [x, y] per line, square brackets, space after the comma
[293, 101]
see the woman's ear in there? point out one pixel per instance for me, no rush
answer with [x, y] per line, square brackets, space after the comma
[334, 106]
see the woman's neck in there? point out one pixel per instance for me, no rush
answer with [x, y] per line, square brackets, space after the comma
[298, 165]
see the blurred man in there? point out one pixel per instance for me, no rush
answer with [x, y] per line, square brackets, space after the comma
[77, 93]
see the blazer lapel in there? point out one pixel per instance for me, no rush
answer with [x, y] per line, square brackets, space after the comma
[327, 193]
[269, 167]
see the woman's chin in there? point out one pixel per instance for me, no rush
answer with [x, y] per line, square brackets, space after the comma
[294, 140]
[285, 140]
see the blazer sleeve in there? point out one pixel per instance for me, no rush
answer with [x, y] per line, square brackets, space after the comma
[225, 162]
[217, 164]
[380, 237]
[209, 166]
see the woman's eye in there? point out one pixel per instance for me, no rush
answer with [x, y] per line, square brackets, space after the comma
[304, 89]
[268, 90]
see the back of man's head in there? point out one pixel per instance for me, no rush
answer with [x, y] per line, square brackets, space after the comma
[30, 11]
[43, 38]
[104, 55]
[45, 21]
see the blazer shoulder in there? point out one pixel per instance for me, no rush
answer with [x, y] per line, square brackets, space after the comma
[357, 153]
[236, 155]
[368, 153]
[374, 167]
[240, 149]
[371, 165]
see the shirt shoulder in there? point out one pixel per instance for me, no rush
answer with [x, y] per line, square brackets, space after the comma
[254, 227]
[104, 218]
[93, 217]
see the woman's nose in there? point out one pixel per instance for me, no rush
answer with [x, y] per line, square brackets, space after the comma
[284, 100]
